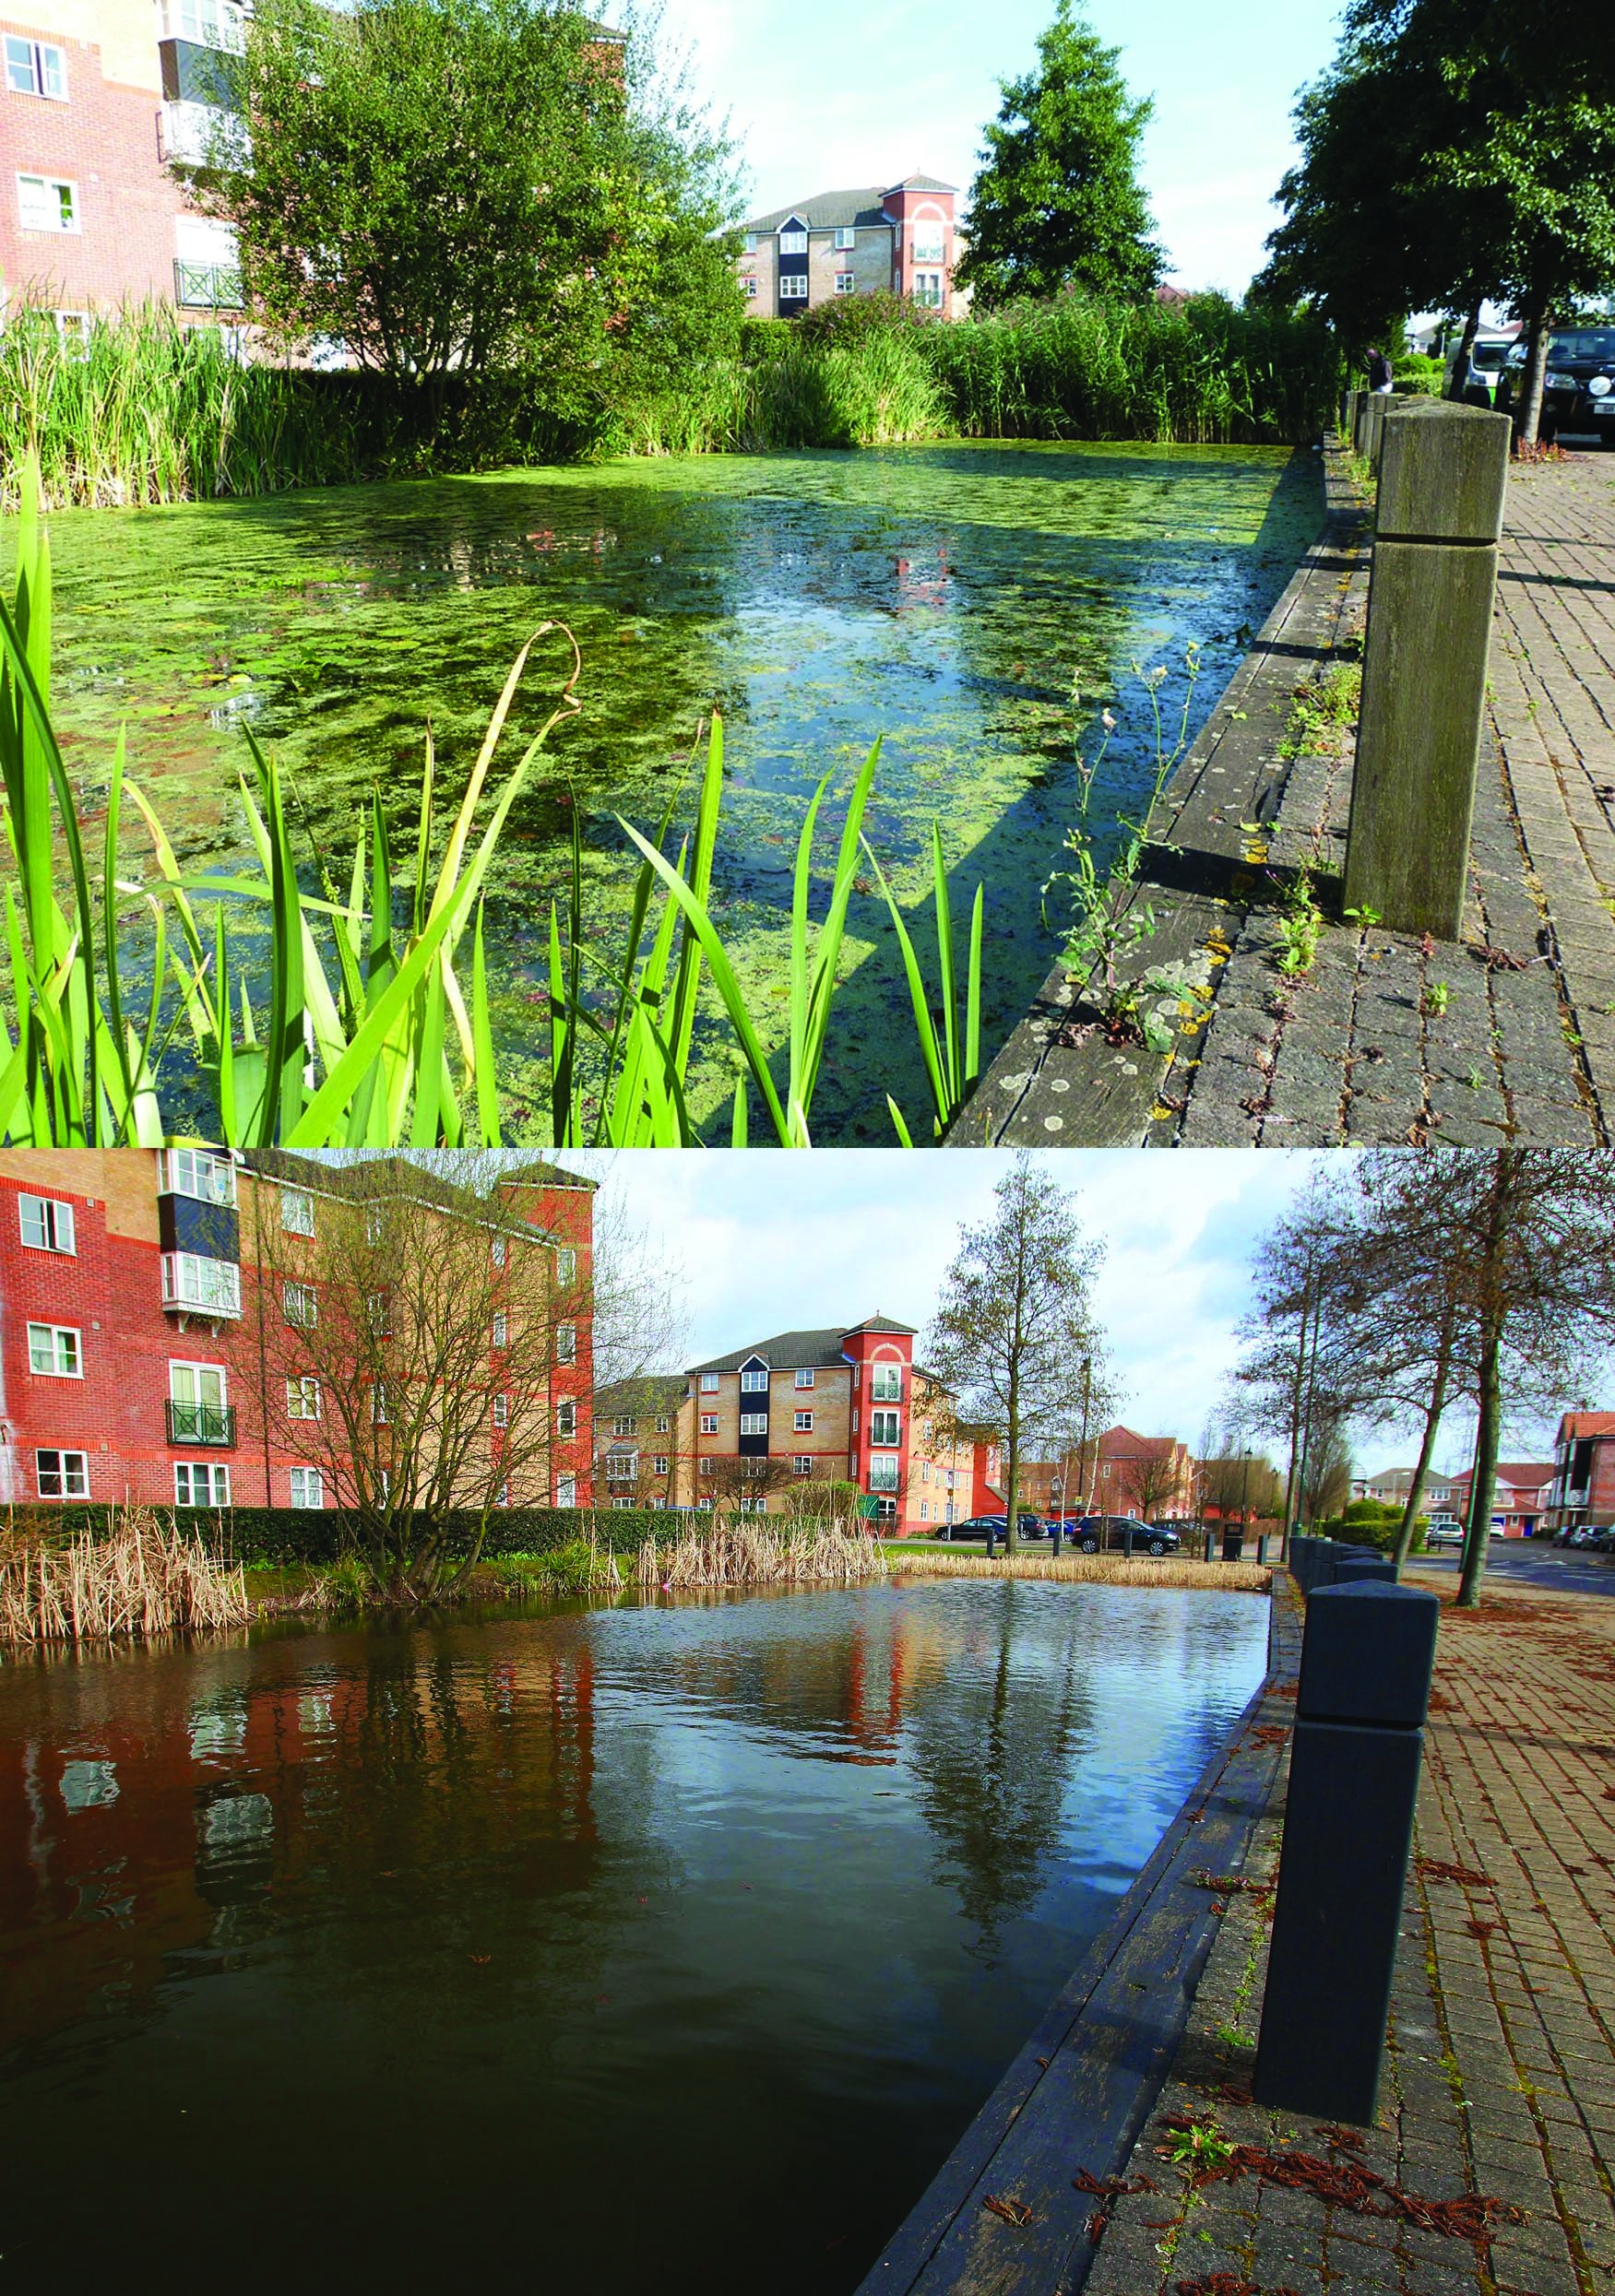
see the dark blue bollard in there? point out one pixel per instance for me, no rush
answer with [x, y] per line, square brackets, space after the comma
[991, 1547]
[1364, 1691]
[1054, 1532]
[1261, 1546]
[1127, 1543]
[1352, 1570]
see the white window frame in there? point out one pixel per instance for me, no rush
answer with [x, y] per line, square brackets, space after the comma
[565, 1264]
[55, 1223]
[928, 290]
[845, 236]
[63, 1474]
[38, 70]
[376, 1313]
[804, 1378]
[27, 185]
[710, 1381]
[753, 1382]
[205, 24]
[502, 1497]
[754, 1422]
[501, 1411]
[566, 1491]
[792, 241]
[885, 1383]
[658, 1465]
[625, 1424]
[500, 1252]
[502, 1329]
[664, 1425]
[54, 1334]
[804, 1423]
[881, 1418]
[800, 1463]
[709, 1423]
[925, 236]
[199, 1285]
[299, 1398]
[213, 1473]
[623, 1499]
[296, 1212]
[748, 242]
[883, 1474]
[845, 283]
[203, 1174]
[378, 1403]
[317, 1487]
[793, 287]
[375, 1223]
[565, 1343]
[704, 1466]
[300, 1305]
[703, 1506]
[749, 288]
[565, 1419]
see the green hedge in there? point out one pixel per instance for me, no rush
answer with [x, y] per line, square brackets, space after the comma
[258, 1535]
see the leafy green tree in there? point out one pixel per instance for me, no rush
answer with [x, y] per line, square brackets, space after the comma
[1056, 203]
[468, 185]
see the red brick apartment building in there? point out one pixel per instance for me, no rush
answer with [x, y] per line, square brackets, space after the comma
[1118, 1473]
[830, 1406]
[1583, 1490]
[129, 1276]
[901, 242]
[1520, 1503]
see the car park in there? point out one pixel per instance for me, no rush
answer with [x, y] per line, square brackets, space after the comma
[1578, 384]
[1090, 1535]
[1578, 1535]
[977, 1526]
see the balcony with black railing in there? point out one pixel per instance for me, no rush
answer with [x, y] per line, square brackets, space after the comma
[209, 1426]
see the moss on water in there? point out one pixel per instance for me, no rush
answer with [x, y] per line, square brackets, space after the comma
[943, 597]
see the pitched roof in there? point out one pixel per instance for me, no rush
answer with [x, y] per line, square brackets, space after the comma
[800, 1350]
[1576, 1423]
[923, 183]
[825, 210]
[657, 1391]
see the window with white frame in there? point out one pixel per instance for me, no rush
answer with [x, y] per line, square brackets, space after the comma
[882, 1475]
[887, 1509]
[753, 1382]
[664, 1425]
[566, 1418]
[845, 235]
[855, 1418]
[752, 1506]
[925, 1471]
[924, 1512]
[659, 1466]
[1105, 1472]
[793, 241]
[375, 1223]
[379, 1313]
[47, 1226]
[885, 1383]
[845, 283]
[804, 1421]
[504, 1496]
[205, 23]
[566, 1491]
[62, 1474]
[623, 1498]
[930, 242]
[565, 1343]
[754, 1422]
[302, 1398]
[749, 288]
[883, 1426]
[928, 289]
[793, 287]
[500, 1251]
[199, 1173]
[621, 1466]
[565, 1265]
[53, 1351]
[74, 329]
[45, 203]
[709, 1423]
[308, 1487]
[625, 1426]
[502, 1331]
[200, 1484]
[297, 1211]
[703, 1506]
[212, 1286]
[378, 1403]
[34, 67]
[801, 1463]
[299, 1306]
[501, 1411]
[710, 1382]
[748, 242]
[704, 1466]
[804, 1378]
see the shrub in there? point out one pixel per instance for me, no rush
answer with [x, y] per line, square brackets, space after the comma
[258, 1536]
[850, 319]
[1371, 1522]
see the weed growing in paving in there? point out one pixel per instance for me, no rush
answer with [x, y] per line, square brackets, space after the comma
[1320, 712]
[1301, 926]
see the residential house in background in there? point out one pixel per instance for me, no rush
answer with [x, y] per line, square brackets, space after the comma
[1584, 1471]
[901, 241]
[125, 1276]
[636, 1437]
[836, 1405]
[1117, 1473]
[1519, 1500]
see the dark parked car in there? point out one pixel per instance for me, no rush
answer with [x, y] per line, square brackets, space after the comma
[1578, 384]
[977, 1526]
[1092, 1533]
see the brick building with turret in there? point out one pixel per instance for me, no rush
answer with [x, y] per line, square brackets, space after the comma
[900, 242]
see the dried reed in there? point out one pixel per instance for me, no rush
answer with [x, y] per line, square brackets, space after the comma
[1085, 1570]
[140, 1580]
[749, 1553]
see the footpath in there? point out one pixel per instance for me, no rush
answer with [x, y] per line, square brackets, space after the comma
[1507, 1032]
[1491, 2170]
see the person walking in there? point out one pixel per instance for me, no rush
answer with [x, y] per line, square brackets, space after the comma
[1379, 372]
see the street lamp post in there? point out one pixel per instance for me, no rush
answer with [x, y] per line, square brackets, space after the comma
[1088, 1383]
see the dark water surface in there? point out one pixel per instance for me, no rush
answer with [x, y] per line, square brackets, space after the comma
[660, 1948]
[946, 597]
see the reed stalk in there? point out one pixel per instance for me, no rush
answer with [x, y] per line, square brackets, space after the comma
[745, 1551]
[142, 1580]
[921, 1558]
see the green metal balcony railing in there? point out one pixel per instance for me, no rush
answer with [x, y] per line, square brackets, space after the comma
[203, 1424]
[207, 286]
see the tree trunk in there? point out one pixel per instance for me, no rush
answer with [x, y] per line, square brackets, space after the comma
[1530, 413]
[1295, 1420]
[1465, 345]
[1433, 1419]
[1493, 1311]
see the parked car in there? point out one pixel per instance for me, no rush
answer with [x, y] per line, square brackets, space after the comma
[1445, 1535]
[1092, 1533]
[977, 1526]
[1578, 385]
[1578, 1535]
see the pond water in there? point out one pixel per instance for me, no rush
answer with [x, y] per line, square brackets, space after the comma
[657, 1947]
[946, 597]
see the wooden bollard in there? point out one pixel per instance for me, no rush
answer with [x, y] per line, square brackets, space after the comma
[1438, 519]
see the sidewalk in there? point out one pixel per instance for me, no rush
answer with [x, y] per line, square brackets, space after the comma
[1524, 1046]
[1499, 2091]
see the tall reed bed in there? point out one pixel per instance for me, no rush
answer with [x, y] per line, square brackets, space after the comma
[753, 1552]
[1113, 1570]
[142, 1578]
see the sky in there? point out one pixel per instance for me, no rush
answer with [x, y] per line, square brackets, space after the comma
[845, 95]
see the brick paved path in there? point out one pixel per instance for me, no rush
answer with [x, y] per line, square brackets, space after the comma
[1501, 2072]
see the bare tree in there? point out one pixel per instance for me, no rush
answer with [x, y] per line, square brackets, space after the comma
[745, 1484]
[1149, 1479]
[1015, 1321]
